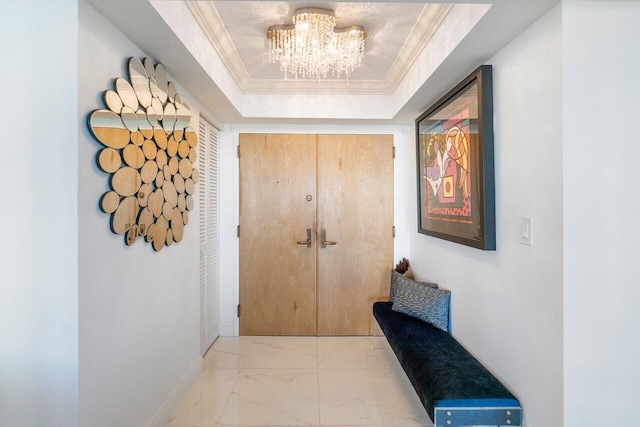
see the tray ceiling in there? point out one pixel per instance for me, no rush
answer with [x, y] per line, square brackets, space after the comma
[396, 34]
[415, 52]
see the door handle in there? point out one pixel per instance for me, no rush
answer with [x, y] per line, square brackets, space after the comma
[323, 238]
[306, 242]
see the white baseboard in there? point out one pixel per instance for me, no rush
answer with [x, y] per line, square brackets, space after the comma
[226, 329]
[167, 408]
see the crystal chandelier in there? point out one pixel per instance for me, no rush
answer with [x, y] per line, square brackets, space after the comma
[312, 46]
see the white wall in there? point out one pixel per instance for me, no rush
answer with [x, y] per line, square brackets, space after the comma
[601, 66]
[38, 254]
[404, 141]
[507, 304]
[139, 309]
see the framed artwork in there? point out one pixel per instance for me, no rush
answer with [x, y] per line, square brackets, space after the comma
[454, 153]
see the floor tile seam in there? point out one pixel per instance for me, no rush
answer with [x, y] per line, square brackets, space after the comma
[279, 368]
[249, 352]
[226, 403]
[318, 395]
[379, 369]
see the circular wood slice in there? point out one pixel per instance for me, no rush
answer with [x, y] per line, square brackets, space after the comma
[159, 179]
[132, 235]
[147, 133]
[178, 133]
[149, 171]
[167, 211]
[189, 203]
[143, 123]
[169, 119]
[189, 186]
[183, 115]
[150, 149]
[172, 147]
[185, 218]
[148, 67]
[170, 193]
[125, 216]
[173, 166]
[193, 156]
[160, 138]
[112, 101]
[182, 202]
[109, 202]
[151, 232]
[176, 214]
[152, 117]
[191, 136]
[178, 182]
[126, 181]
[129, 118]
[157, 108]
[156, 200]
[109, 160]
[144, 221]
[183, 149]
[167, 171]
[133, 156]
[126, 93]
[160, 234]
[161, 158]
[162, 82]
[143, 194]
[169, 241]
[178, 228]
[137, 138]
[185, 168]
[140, 80]
[195, 175]
[108, 128]
[172, 91]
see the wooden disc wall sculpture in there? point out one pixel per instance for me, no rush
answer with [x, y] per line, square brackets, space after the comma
[149, 154]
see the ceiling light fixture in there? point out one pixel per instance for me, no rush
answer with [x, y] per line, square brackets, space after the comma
[312, 46]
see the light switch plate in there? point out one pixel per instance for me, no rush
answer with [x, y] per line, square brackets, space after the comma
[526, 231]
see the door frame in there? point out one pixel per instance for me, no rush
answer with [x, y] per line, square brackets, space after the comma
[404, 141]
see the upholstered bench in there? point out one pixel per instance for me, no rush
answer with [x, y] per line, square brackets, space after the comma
[455, 389]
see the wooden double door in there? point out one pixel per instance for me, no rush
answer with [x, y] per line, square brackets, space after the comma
[316, 232]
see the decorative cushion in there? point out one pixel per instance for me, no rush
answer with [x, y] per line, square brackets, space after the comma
[398, 279]
[423, 302]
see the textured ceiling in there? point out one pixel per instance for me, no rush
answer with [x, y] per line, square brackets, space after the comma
[396, 33]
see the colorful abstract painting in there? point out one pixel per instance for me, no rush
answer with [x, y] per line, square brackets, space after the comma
[452, 144]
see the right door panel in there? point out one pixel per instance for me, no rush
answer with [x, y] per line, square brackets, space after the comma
[355, 208]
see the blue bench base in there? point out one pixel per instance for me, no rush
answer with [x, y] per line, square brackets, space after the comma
[461, 413]
[453, 386]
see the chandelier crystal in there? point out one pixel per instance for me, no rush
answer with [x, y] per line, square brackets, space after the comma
[312, 46]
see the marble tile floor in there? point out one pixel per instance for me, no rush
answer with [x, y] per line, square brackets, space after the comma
[301, 381]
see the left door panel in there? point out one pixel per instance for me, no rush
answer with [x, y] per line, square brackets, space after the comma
[277, 274]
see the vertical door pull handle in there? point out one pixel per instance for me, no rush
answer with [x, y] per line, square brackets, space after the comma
[323, 239]
[306, 242]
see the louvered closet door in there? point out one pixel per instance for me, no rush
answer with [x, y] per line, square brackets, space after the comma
[209, 239]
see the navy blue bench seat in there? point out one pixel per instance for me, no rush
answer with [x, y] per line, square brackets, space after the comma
[454, 387]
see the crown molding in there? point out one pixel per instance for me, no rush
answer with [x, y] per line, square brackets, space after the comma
[426, 26]
[211, 24]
